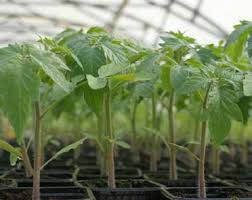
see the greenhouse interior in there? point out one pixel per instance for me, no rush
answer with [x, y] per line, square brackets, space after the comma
[125, 100]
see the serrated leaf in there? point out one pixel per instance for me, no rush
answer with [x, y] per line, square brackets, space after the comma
[224, 99]
[91, 58]
[96, 82]
[237, 40]
[206, 55]
[175, 41]
[219, 126]
[144, 89]
[52, 66]
[112, 69]
[187, 80]
[148, 68]
[114, 53]
[245, 105]
[240, 31]
[94, 99]
[62, 35]
[249, 48]
[19, 87]
[222, 106]
[247, 85]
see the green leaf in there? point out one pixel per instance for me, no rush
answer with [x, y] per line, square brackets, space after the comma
[237, 40]
[176, 41]
[52, 66]
[233, 110]
[111, 69]
[96, 82]
[94, 99]
[245, 105]
[206, 55]
[114, 53]
[240, 31]
[64, 34]
[235, 50]
[13, 159]
[122, 144]
[187, 80]
[144, 89]
[65, 150]
[225, 149]
[97, 30]
[75, 40]
[123, 77]
[92, 58]
[225, 100]
[61, 50]
[148, 68]
[219, 126]
[247, 85]
[9, 148]
[165, 78]
[19, 87]
[249, 48]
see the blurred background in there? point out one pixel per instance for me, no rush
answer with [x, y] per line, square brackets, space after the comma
[142, 20]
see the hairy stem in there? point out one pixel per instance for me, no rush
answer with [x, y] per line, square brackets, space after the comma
[42, 159]
[100, 154]
[153, 155]
[136, 157]
[244, 151]
[173, 163]
[216, 160]
[110, 149]
[202, 187]
[37, 154]
[194, 147]
[26, 161]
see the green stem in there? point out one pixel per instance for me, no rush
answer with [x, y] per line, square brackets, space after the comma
[202, 187]
[173, 163]
[110, 149]
[26, 161]
[101, 161]
[153, 156]
[194, 147]
[37, 154]
[244, 151]
[136, 157]
[216, 160]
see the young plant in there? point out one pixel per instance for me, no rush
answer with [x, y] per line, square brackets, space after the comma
[27, 74]
[105, 63]
[220, 88]
[174, 48]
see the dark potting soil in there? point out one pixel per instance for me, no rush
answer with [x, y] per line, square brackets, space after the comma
[128, 194]
[120, 183]
[47, 193]
[15, 194]
[212, 192]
